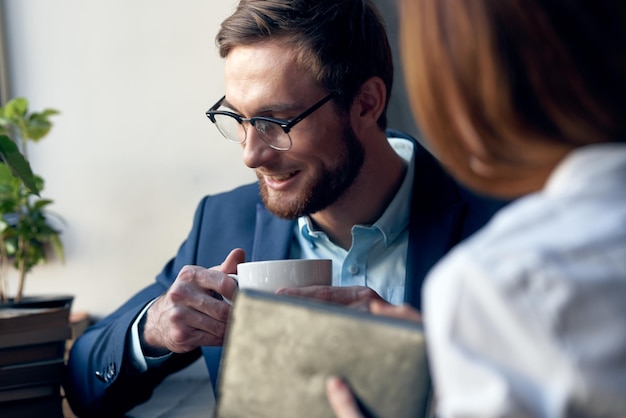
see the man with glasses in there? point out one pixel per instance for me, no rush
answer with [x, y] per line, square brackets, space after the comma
[307, 88]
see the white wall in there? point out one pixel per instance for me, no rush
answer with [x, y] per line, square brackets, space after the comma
[132, 152]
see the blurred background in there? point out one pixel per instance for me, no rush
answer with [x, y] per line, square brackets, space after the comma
[132, 152]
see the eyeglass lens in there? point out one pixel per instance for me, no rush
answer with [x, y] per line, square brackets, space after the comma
[270, 133]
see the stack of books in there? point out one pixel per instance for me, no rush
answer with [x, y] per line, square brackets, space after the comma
[32, 359]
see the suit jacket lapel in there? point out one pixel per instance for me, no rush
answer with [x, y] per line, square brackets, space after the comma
[437, 212]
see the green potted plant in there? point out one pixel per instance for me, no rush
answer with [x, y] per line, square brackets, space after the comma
[33, 330]
[26, 234]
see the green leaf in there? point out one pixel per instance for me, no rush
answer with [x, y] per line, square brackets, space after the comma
[49, 112]
[57, 247]
[38, 124]
[41, 203]
[5, 174]
[16, 108]
[37, 127]
[16, 162]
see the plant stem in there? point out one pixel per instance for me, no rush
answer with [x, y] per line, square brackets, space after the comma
[4, 272]
[21, 269]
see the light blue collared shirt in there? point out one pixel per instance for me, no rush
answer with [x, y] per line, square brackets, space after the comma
[377, 257]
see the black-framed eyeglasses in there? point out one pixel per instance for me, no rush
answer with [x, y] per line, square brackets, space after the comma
[274, 132]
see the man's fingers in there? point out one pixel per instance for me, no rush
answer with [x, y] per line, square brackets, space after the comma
[198, 287]
[335, 294]
[191, 312]
[341, 399]
[229, 265]
[403, 311]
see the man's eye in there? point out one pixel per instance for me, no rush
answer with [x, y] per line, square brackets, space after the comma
[262, 127]
[268, 128]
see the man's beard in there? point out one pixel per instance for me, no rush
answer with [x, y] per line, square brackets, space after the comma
[325, 189]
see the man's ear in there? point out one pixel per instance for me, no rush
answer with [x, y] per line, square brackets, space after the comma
[370, 102]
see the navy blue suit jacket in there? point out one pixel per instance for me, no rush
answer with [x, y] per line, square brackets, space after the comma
[442, 214]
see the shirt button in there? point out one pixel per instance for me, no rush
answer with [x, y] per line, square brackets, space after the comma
[353, 269]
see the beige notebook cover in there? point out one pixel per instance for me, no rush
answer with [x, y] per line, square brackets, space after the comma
[279, 352]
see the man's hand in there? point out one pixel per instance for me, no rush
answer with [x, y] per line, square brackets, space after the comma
[350, 295]
[191, 313]
[403, 311]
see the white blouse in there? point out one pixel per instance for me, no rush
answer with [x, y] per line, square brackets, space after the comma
[528, 317]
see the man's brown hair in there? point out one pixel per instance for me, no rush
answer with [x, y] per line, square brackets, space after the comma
[342, 43]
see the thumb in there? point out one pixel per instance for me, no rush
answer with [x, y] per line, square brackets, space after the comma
[236, 256]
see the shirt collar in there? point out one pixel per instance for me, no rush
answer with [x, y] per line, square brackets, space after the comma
[588, 169]
[396, 217]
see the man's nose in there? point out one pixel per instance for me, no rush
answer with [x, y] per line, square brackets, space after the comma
[255, 151]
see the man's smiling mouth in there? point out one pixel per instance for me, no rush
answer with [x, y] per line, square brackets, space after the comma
[281, 177]
[278, 176]
[279, 181]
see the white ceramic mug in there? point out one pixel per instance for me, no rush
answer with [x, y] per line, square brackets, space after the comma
[272, 275]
